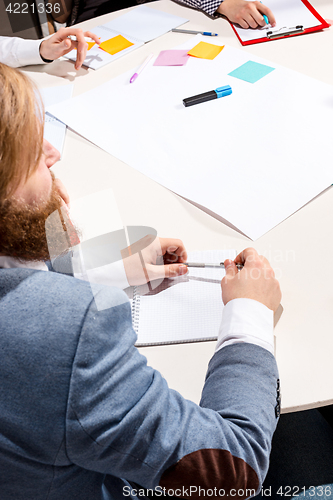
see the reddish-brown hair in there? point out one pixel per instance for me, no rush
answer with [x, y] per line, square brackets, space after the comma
[21, 129]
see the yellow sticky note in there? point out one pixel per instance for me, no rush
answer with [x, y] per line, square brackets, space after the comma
[90, 45]
[205, 50]
[115, 45]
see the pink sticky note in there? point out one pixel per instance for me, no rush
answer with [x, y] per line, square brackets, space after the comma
[172, 58]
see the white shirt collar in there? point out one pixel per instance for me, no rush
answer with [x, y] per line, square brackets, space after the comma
[9, 262]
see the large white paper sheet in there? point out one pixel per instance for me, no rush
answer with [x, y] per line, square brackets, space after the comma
[287, 13]
[252, 158]
[54, 130]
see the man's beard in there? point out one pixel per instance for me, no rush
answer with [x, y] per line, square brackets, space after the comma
[22, 228]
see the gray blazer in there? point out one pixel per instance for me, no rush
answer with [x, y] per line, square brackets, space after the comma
[79, 404]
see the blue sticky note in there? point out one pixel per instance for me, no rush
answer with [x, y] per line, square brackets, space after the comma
[251, 71]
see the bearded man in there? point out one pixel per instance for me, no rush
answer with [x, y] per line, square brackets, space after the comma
[82, 415]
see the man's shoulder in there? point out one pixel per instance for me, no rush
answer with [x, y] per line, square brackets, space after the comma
[54, 287]
[14, 277]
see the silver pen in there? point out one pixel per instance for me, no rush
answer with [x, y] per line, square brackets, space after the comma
[191, 32]
[86, 39]
[202, 264]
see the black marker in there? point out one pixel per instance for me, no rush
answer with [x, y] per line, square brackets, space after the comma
[208, 96]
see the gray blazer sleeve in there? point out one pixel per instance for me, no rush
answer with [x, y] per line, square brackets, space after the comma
[123, 420]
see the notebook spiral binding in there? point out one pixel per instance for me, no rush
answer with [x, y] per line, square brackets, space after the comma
[136, 309]
[102, 26]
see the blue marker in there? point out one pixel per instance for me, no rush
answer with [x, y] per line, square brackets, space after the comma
[208, 96]
[265, 17]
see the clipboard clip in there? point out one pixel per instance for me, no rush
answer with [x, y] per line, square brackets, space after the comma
[271, 34]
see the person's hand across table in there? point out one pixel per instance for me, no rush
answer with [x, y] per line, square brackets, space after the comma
[59, 44]
[246, 13]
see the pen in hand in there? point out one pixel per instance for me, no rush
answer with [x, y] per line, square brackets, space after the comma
[202, 264]
[265, 18]
[86, 39]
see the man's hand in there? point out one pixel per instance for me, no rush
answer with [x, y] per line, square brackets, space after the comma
[153, 258]
[59, 44]
[255, 281]
[246, 14]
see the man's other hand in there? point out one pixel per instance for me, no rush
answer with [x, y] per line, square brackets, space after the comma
[255, 281]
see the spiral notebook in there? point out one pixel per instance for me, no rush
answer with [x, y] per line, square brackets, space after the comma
[185, 309]
[138, 26]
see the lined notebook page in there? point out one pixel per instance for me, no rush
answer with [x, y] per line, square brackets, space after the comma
[185, 309]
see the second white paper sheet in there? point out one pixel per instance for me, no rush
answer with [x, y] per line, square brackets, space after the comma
[253, 158]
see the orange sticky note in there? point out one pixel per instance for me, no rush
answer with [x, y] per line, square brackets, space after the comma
[90, 45]
[205, 50]
[115, 45]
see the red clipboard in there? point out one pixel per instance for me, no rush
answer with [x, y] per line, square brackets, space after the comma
[323, 24]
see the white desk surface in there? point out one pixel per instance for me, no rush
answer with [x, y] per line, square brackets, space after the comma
[299, 248]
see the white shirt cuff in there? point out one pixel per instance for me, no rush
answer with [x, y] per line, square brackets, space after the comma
[246, 320]
[27, 52]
